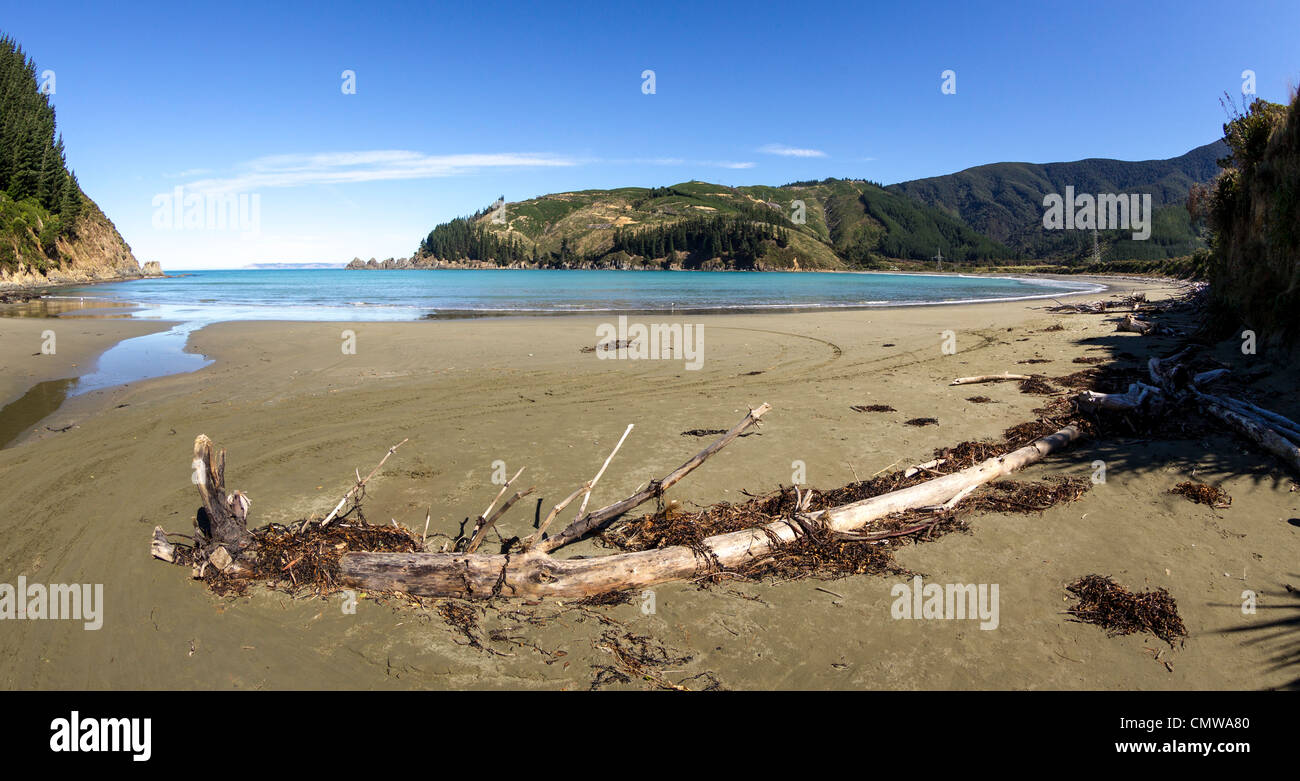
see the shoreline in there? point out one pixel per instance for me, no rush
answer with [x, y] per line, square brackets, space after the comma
[1099, 285]
[62, 380]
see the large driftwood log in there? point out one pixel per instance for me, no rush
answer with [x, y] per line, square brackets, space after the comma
[535, 574]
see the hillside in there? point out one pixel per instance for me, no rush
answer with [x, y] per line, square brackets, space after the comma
[988, 215]
[842, 224]
[1005, 201]
[50, 232]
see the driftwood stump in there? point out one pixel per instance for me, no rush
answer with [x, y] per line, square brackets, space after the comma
[221, 524]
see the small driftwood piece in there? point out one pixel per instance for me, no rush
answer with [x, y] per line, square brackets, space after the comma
[590, 522]
[585, 490]
[360, 484]
[1131, 324]
[990, 378]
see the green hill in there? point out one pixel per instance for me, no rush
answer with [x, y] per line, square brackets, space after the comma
[991, 214]
[833, 224]
[1005, 202]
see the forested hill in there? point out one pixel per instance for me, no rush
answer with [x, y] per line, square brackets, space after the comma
[835, 224]
[49, 230]
[1004, 201]
[989, 214]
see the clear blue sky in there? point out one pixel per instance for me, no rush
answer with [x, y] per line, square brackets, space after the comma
[458, 104]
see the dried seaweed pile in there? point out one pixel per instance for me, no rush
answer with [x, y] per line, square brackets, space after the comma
[1203, 494]
[1119, 611]
[872, 408]
[921, 422]
[1103, 379]
[1037, 385]
[304, 560]
[1010, 496]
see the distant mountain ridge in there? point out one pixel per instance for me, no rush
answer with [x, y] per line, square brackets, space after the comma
[990, 213]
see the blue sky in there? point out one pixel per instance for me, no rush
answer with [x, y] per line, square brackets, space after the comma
[458, 104]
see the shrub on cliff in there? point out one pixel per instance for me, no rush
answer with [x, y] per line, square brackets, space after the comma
[1254, 213]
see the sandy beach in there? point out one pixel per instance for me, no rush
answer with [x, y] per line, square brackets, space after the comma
[299, 416]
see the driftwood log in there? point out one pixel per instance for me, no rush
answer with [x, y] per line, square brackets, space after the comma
[1173, 384]
[1004, 377]
[223, 540]
[534, 573]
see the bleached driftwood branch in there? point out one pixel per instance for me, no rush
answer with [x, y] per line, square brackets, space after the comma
[536, 574]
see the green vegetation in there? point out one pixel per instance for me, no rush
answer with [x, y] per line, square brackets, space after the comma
[1253, 211]
[834, 224]
[1004, 201]
[737, 242]
[985, 217]
[463, 239]
[40, 200]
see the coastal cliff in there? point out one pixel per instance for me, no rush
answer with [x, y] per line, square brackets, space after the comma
[50, 232]
[93, 252]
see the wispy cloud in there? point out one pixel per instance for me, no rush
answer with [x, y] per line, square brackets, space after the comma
[364, 166]
[189, 173]
[680, 161]
[790, 151]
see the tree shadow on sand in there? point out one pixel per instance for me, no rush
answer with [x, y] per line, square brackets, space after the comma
[1279, 636]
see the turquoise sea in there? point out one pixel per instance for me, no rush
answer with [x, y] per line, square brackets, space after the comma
[336, 294]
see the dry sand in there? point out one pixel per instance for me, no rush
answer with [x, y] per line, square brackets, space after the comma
[298, 417]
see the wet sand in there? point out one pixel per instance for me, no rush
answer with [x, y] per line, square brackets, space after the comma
[298, 416]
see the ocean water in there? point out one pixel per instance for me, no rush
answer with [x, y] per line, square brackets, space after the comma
[336, 294]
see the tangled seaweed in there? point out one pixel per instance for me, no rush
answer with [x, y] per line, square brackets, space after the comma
[302, 561]
[872, 408]
[1203, 494]
[1119, 611]
[638, 657]
[1037, 385]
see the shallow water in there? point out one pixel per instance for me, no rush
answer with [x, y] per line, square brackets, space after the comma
[130, 360]
[336, 294]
